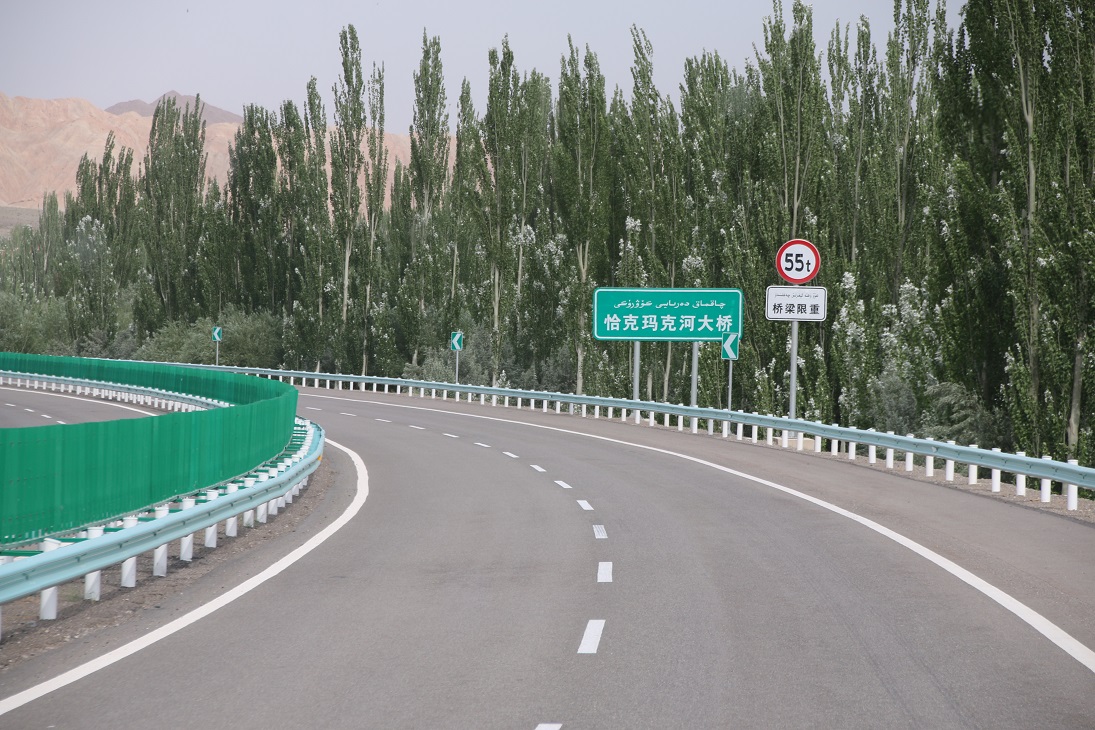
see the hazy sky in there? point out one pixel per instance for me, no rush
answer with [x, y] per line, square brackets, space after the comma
[235, 53]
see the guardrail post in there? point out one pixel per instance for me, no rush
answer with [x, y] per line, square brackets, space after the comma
[798, 436]
[680, 422]
[651, 424]
[623, 414]
[908, 456]
[1020, 480]
[996, 476]
[695, 424]
[545, 404]
[817, 441]
[1073, 497]
[834, 445]
[249, 515]
[638, 416]
[948, 469]
[1047, 487]
[852, 446]
[444, 393]
[972, 469]
[47, 608]
[711, 428]
[93, 581]
[186, 544]
[929, 462]
[889, 454]
[211, 531]
[505, 402]
[872, 452]
[494, 400]
[129, 565]
[725, 429]
[768, 433]
[740, 429]
[784, 434]
[755, 429]
[159, 553]
[231, 525]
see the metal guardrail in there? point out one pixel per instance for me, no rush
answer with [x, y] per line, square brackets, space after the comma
[1063, 472]
[16, 377]
[47, 569]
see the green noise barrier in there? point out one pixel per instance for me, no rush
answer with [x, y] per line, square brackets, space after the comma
[59, 478]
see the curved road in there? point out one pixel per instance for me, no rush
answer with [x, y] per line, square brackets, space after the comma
[512, 569]
[22, 408]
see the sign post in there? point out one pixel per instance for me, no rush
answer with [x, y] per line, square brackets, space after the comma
[456, 344]
[730, 343]
[218, 335]
[665, 315]
[797, 261]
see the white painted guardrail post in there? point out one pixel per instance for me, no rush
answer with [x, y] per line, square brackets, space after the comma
[996, 476]
[47, 608]
[929, 462]
[186, 544]
[231, 525]
[971, 469]
[261, 510]
[1020, 480]
[129, 565]
[1047, 486]
[852, 447]
[740, 430]
[872, 452]
[948, 469]
[211, 531]
[908, 456]
[93, 581]
[889, 454]
[159, 553]
[249, 515]
[798, 439]
[834, 445]
[1073, 491]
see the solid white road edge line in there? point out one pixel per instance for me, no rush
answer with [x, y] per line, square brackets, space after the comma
[550, 726]
[591, 639]
[29, 695]
[604, 572]
[1061, 638]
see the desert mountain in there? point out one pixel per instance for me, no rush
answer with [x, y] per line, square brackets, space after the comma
[211, 114]
[42, 141]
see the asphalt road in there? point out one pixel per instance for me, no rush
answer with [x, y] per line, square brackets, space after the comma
[22, 408]
[472, 591]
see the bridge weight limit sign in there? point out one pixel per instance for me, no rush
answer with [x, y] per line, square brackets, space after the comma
[798, 262]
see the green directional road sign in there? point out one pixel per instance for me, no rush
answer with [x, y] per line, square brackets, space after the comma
[683, 315]
[456, 341]
[730, 342]
[218, 334]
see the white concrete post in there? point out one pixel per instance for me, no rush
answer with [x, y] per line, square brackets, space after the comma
[544, 402]
[1020, 480]
[444, 395]
[834, 445]
[530, 403]
[493, 400]
[872, 452]
[784, 434]
[159, 553]
[972, 470]
[261, 510]
[948, 469]
[186, 544]
[1047, 487]
[908, 456]
[651, 424]
[558, 407]
[852, 446]
[680, 423]
[609, 416]
[211, 531]
[741, 428]
[695, 422]
[129, 565]
[505, 402]
[583, 410]
[1073, 491]
[929, 463]
[231, 525]
[996, 476]
[47, 609]
[889, 454]
[754, 429]
[249, 515]
[798, 436]
[768, 434]
[817, 442]
[93, 581]
[725, 429]
[711, 428]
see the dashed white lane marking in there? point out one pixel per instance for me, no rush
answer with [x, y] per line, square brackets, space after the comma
[591, 639]
[419, 428]
[550, 726]
[585, 505]
[383, 420]
[73, 675]
[451, 435]
[45, 416]
[512, 456]
[599, 532]
[347, 414]
[1051, 631]
[604, 572]
[485, 446]
[61, 422]
[562, 484]
[11, 405]
[313, 408]
[29, 410]
[538, 468]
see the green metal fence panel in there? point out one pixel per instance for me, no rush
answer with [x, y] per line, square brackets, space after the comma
[58, 478]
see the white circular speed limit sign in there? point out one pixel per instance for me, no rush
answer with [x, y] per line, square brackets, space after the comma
[798, 261]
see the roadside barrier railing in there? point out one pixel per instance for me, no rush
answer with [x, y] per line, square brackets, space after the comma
[841, 440]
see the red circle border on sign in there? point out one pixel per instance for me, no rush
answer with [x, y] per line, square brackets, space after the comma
[817, 259]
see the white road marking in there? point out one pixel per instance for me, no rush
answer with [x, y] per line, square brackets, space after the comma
[591, 639]
[45, 416]
[313, 408]
[73, 675]
[29, 410]
[550, 726]
[585, 505]
[485, 446]
[452, 435]
[80, 398]
[347, 414]
[1051, 631]
[562, 484]
[419, 428]
[538, 468]
[61, 422]
[10, 404]
[599, 532]
[383, 420]
[512, 456]
[604, 572]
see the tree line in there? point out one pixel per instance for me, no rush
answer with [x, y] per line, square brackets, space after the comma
[946, 174]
